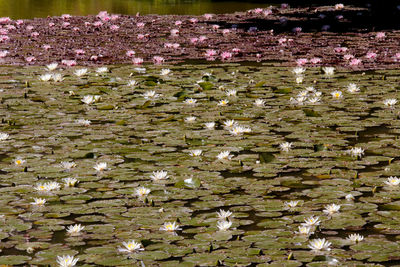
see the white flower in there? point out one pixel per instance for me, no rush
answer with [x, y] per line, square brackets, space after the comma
[165, 72]
[352, 88]
[259, 102]
[303, 93]
[57, 77]
[337, 94]
[230, 124]
[239, 130]
[159, 175]
[88, 99]
[319, 244]
[102, 166]
[170, 227]
[329, 71]
[19, 161]
[190, 119]
[4, 136]
[189, 181]
[83, 122]
[132, 83]
[131, 246]
[47, 187]
[356, 152]
[305, 230]
[190, 101]
[224, 225]
[150, 95]
[224, 155]
[298, 71]
[70, 182]
[392, 181]
[355, 238]
[331, 209]
[231, 92]
[390, 102]
[223, 103]
[285, 146]
[67, 165]
[298, 100]
[291, 204]
[102, 70]
[67, 261]
[349, 197]
[142, 191]
[80, 72]
[52, 66]
[314, 100]
[311, 221]
[317, 93]
[299, 79]
[222, 214]
[38, 201]
[209, 125]
[75, 230]
[46, 77]
[195, 152]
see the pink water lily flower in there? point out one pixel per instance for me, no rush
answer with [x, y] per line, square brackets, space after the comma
[68, 63]
[137, 60]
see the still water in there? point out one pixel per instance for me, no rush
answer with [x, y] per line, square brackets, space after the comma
[26, 9]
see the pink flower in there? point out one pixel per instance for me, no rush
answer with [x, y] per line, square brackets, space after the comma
[76, 29]
[297, 29]
[257, 11]
[10, 27]
[315, 60]
[202, 38]
[340, 49]
[174, 32]
[68, 63]
[130, 53]
[3, 53]
[282, 41]
[66, 24]
[114, 17]
[175, 45]
[94, 58]
[140, 24]
[46, 47]
[236, 50]
[114, 27]
[301, 61]
[34, 34]
[284, 6]
[258, 55]
[98, 24]
[102, 14]
[19, 22]
[178, 22]
[193, 20]
[211, 53]
[137, 60]
[380, 35]
[51, 24]
[267, 12]
[355, 62]
[65, 16]
[158, 60]
[30, 59]
[371, 55]
[167, 45]
[226, 55]
[348, 57]
[4, 20]
[208, 16]
[141, 36]
[225, 31]
[87, 23]
[215, 27]
[194, 40]
[4, 38]
[79, 51]
[396, 56]
[3, 31]
[339, 6]
[29, 27]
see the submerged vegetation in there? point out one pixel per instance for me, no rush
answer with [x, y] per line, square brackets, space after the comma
[199, 165]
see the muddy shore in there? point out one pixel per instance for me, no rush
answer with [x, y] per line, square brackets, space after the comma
[318, 36]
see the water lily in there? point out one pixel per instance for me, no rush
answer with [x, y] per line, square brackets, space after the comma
[88, 99]
[355, 238]
[239, 130]
[304, 230]
[291, 204]
[67, 261]
[357, 152]
[329, 71]
[231, 92]
[46, 77]
[331, 209]
[80, 72]
[102, 70]
[83, 122]
[165, 72]
[57, 77]
[195, 152]
[75, 230]
[47, 187]
[230, 124]
[142, 192]
[170, 227]
[131, 246]
[190, 101]
[349, 197]
[4, 136]
[101, 166]
[19, 161]
[286, 146]
[159, 175]
[70, 182]
[392, 181]
[210, 125]
[390, 102]
[298, 71]
[224, 155]
[150, 95]
[224, 225]
[67, 165]
[259, 102]
[132, 83]
[319, 244]
[311, 221]
[337, 94]
[38, 202]
[190, 119]
[224, 214]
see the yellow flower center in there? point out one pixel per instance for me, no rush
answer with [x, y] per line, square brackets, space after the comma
[18, 162]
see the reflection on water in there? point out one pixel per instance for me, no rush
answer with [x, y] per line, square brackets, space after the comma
[42, 8]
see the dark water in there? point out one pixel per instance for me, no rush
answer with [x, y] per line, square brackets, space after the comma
[25, 9]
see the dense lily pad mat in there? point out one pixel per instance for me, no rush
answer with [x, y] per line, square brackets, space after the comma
[139, 133]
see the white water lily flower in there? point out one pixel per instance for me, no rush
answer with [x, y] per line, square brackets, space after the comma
[304, 230]
[239, 130]
[356, 152]
[291, 204]
[131, 246]
[190, 119]
[337, 94]
[19, 161]
[102, 70]
[195, 152]
[299, 79]
[223, 215]
[46, 77]
[190, 101]
[298, 71]
[329, 71]
[88, 99]
[209, 125]
[101, 166]
[224, 155]
[150, 95]
[259, 102]
[132, 83]
[286, 146]
[159, 175]
[231, 92]
[352, 88]
[38, 202]
[170, 227]
[67, 261]
[80, 72]
[224, 225]
[83, 122]
[298, 100]
[349, 197]
[303, 93]
[4, 136]
[230, 124]
[314, 100]
[355, 238]
[392, 181]
[189, 181]
[223, 103]
[57, 77]
[165, 72]
[75, 230]
[319, 244]
[52, 66]
[70, 182]
[142, 192]
[331, 209]
[311, 221]
[67, 165]
[47, 187]
[390, 102]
